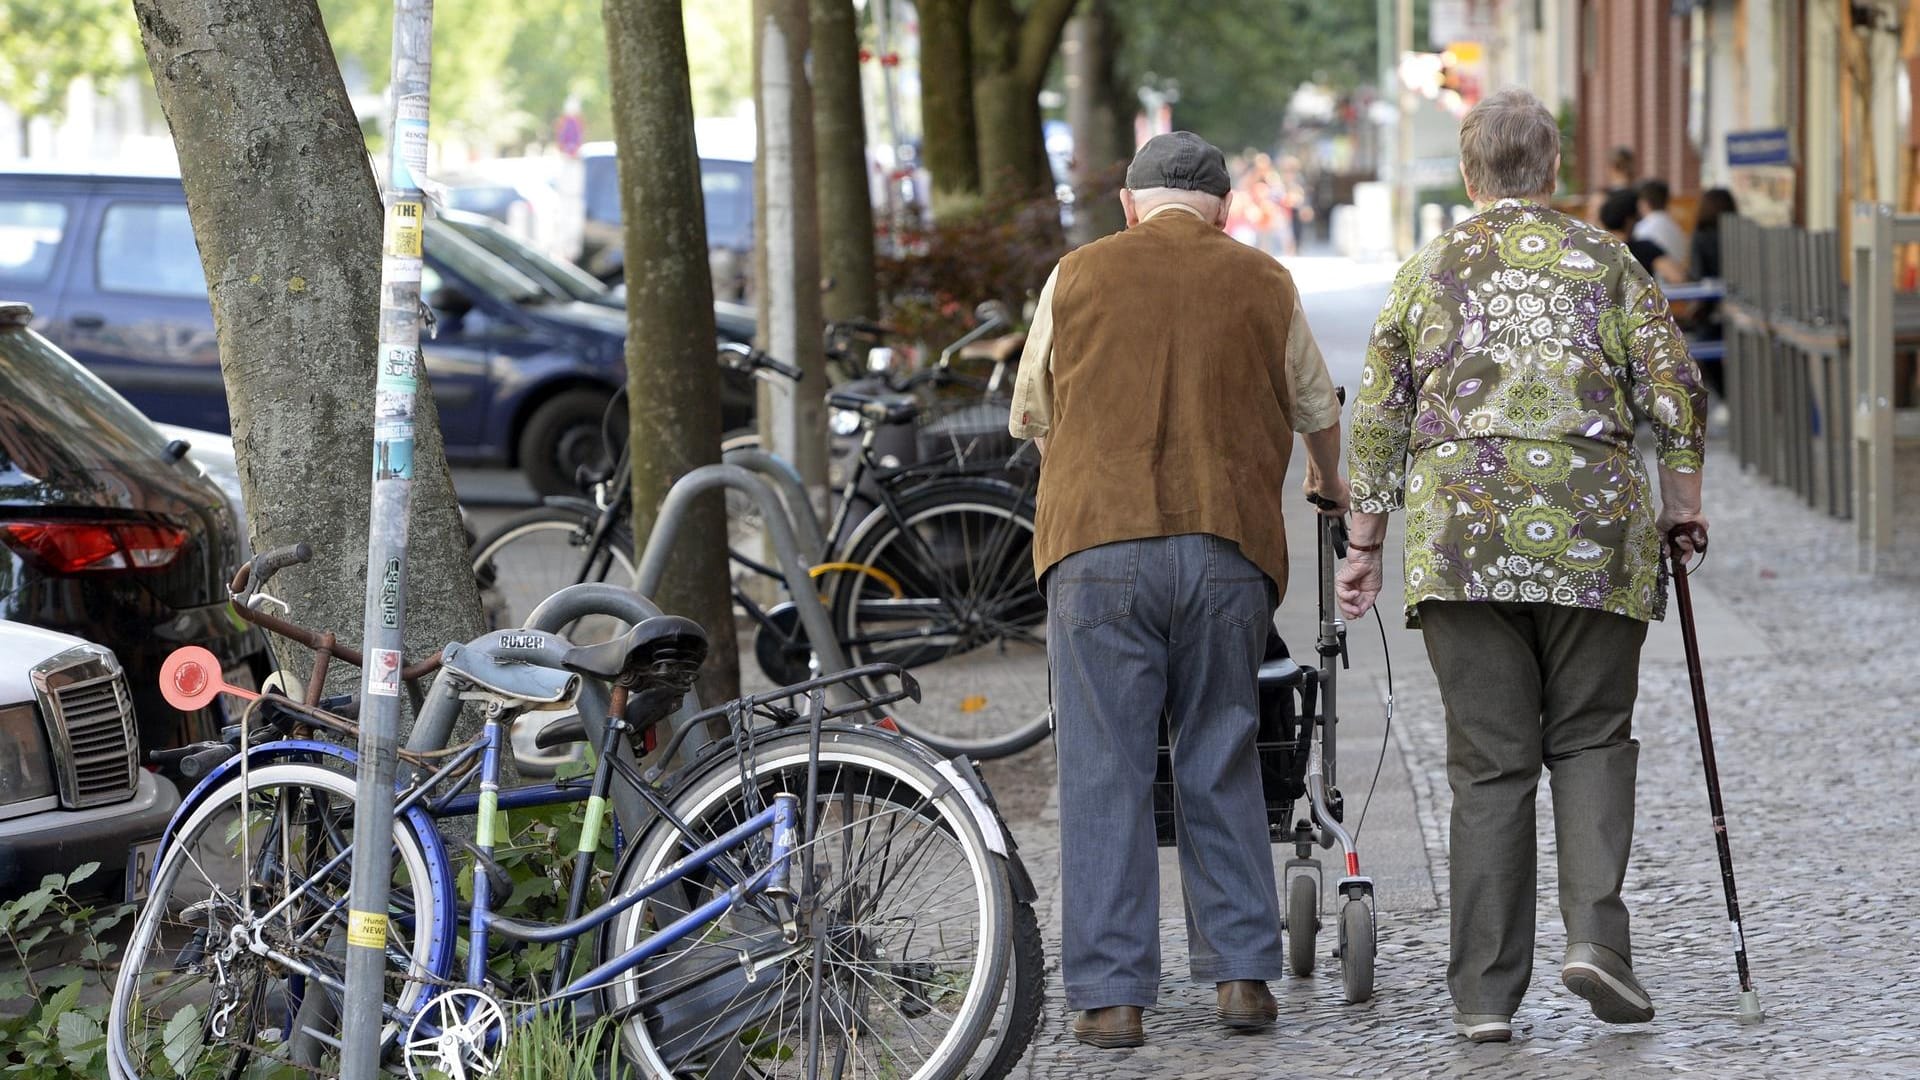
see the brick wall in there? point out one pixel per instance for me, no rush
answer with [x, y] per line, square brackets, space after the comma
[1633, 91]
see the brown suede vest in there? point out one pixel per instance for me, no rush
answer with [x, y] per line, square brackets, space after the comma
[1172, 409]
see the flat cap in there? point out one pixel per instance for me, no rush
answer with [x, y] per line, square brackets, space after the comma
[1180, 160]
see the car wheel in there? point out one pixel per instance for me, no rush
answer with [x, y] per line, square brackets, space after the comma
[563, 435]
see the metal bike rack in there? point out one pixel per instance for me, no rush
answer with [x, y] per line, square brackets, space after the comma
[786, 479]
[673, 514]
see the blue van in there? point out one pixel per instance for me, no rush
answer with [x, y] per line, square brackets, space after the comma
[522, 375]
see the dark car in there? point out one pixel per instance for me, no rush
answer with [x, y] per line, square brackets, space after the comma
[71, 787]
[110, 532]
[521, 375]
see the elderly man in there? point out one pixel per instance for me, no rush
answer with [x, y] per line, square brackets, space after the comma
[1498, 404]
[1166, 372]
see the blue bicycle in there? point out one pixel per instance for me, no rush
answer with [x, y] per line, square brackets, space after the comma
[807, 899]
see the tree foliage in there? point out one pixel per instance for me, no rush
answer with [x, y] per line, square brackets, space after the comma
[50, 43]
[1237, 62]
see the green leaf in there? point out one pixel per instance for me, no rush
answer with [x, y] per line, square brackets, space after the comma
[62, 976]
[81, 873]
[34, 939]
[35, 903]
[61, 1001]
[182, 1046]
[80, 1036]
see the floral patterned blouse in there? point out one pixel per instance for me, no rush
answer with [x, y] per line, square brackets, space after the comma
[1498, 404]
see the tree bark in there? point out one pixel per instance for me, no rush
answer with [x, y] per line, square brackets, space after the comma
[840, 136]
[288, 223]
[1011, 54]
[793, 420]
[673, 381]
[950, 136]
[1098, 110]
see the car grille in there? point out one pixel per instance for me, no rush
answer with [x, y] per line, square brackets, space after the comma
[94, 718]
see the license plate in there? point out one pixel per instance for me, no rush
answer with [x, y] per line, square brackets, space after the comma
[140, 868]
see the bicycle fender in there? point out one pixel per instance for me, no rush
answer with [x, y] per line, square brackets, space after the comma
[1017, 875]
[575, 503]
[968, 785]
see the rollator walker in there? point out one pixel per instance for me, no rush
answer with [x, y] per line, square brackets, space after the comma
[1296, 744]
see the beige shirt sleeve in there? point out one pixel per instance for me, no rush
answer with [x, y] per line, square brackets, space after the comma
[1031, 416]
[1315, 407]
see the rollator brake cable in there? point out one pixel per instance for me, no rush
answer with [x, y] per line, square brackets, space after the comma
[1385, 734]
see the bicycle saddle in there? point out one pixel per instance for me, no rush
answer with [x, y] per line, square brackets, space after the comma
[874, 403]
[665, 651]
[514, 680]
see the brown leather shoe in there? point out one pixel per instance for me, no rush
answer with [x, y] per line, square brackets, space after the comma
[1113, 1028]
[1246, 1005]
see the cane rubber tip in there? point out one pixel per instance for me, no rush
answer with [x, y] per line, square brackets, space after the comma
[1750, 1010]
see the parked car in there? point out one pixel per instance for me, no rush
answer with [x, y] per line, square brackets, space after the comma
[521, 375]
[726, 183]
[112, 532]
[523, 194]
[72, 789]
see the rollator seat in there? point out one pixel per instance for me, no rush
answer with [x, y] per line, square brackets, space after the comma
[1281, 672]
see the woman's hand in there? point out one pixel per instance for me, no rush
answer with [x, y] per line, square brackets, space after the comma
[1357, 585]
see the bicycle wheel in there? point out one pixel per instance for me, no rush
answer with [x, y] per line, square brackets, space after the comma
[968, 617]
[194, 998]
[911, 922]
[536, 554]
[1021, 1003]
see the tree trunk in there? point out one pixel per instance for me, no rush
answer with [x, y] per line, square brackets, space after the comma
[840, 136]
[950, 137]
[793, 420]
[1098, 110]
[288, 224]
[673, 381]
[1011, 54]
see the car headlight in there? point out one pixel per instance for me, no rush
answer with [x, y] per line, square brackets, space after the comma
[844, 422]
[26, 765]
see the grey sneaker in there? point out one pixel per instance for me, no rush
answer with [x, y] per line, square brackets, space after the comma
[1483, 1027]
[1601, 976]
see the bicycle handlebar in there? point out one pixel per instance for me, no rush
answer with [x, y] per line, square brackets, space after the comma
[253, 576]
[756, 359]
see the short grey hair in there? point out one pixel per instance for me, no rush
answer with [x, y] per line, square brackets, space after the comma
[1146, 199]
[1509, 144]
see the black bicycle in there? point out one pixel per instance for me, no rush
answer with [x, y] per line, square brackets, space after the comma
[929, 562]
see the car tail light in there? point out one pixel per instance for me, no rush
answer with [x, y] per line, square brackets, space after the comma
[81, 547]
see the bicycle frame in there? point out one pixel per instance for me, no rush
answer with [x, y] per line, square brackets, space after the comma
[781, 819]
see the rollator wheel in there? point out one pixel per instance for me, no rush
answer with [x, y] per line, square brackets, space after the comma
[1356, 950]
[1303, 923]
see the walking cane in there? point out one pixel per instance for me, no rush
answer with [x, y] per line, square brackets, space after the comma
[1696, 537]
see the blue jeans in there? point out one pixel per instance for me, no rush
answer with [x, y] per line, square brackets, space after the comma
[1177, 625]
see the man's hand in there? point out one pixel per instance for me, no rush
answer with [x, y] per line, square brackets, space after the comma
[1357, 585]
[1330, 491]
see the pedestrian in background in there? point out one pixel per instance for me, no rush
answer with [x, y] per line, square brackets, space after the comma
[1656, 224]
[1166, 372]
[1497, 406]
[1620, 215]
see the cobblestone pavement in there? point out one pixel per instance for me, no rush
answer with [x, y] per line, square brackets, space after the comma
[1816, 736]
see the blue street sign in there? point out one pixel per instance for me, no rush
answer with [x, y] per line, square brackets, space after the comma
[1770, 146]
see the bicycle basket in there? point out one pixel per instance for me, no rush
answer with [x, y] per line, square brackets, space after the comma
[971, 433]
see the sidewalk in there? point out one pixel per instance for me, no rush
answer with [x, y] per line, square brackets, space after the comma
[1813, 686]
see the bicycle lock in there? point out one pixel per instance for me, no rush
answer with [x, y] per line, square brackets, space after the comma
[396, 387]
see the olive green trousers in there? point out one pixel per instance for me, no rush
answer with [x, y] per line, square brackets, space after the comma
[1527, 685]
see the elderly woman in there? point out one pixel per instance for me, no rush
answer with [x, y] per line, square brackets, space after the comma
[1497, 407]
